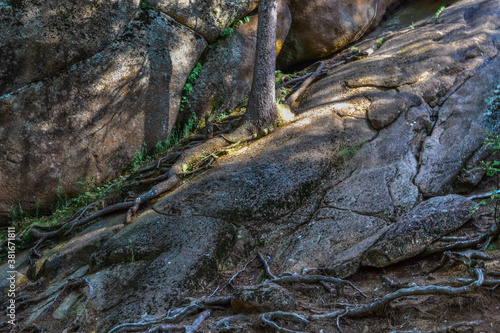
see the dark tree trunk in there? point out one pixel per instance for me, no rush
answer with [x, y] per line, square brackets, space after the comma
[261, 109]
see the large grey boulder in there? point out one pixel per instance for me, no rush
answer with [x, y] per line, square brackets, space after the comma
[40, 38]
[319, 28]
[91, 118]
[209, 18]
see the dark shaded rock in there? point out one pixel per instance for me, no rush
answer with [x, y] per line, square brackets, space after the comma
[414, 231]
[319, 28]
[91, 119]
[209, 18]
[40, 38]
[156, 252]
[262, 298]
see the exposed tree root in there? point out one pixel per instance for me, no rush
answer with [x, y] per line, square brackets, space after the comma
[468, 258]
[310, 79]
[270, 317]
[316, 279]
[482, 241]
[266, 266]
[67, 227]
[188, 158]
[368, 309]
[174, 315]
[484, 196]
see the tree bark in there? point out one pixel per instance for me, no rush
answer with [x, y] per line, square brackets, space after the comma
[261, 109]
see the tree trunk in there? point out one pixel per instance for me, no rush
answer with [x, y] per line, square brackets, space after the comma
[261, 109]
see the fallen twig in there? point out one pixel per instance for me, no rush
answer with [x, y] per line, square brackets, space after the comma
[484, 195]
[238, 273]
[451, 328]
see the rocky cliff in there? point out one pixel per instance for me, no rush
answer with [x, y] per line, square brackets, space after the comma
[371, 172]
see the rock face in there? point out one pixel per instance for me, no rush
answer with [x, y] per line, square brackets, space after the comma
[226, 77]
[41, 38]
[91, 118]
[351, 182]
[427, 85]
[427, 222]
[319, 28]
[209, 18]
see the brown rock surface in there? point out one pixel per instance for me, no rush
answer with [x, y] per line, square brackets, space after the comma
[91, 118]
[41, 38]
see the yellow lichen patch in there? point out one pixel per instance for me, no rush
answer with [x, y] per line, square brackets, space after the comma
[279, 45]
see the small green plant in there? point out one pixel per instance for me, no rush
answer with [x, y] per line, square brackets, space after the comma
[227, 32]
[380, 42]
[491, 247]
[139, 158]
[347, 153]
[492, 168]
[131, 247]
[188, 87]
[354, 48]
[146, 6]
[412, 26]
[440, 10]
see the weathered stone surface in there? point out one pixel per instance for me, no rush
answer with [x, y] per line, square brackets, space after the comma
[76, 253]
[262, 298]
[41, 38]
[90, 119]
[426, 223]
[327, 190]
[173, 254]
[209, 18]
[319, 28]
[226, 77]
[380, 176]
[458, 137]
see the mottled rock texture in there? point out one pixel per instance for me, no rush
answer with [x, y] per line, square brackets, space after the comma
[91, 118]
[41, 38]
[209, 18]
